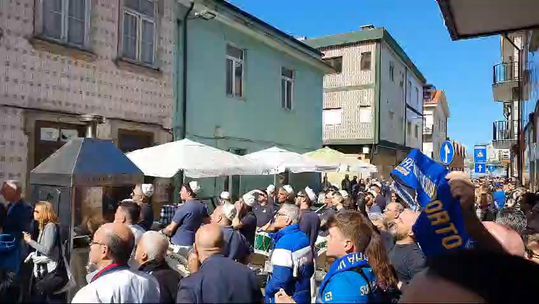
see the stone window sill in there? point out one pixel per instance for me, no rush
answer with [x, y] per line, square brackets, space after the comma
[128, 65]
[54, 47]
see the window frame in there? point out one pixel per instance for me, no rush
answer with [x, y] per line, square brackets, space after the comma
[363, 54]
[64, 30]
[233, 79]
[284, 94]
[332, 59]
[332, 109]
[392, 71]
[140, 18]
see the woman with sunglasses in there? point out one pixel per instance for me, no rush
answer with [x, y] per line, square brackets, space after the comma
[49, 271]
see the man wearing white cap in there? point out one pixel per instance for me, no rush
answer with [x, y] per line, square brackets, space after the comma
[225, 197]
[309, 221]
[286, 195]
[141, 195]
[264, 210]
[270, 190]
[188, 218]
[236, 246]
[245, 219]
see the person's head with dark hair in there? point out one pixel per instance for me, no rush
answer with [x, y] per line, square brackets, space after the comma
[128, 212]
[351, 232]
[527, 201]
[112, 244]
[512, 218]
[470, 276]
[189, 191]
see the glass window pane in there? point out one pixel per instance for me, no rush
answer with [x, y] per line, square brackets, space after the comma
[287, 73]
[289, 95]
[130, 37]
[229, 75]
[283, 93]
[76, 19]
[147, 7]
[52, 18]
[147, 41]
[238, 74]
[132, 4]
[234, 52]
[366, 61]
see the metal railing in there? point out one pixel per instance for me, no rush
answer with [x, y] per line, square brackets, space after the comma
[502, 130]
[505, 72]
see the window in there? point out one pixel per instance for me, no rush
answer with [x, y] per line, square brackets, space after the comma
[391, 71]
[66, 21]
[408, 128]
[139, 28]
[365, 114]
[366, 61]
[335, 62]
[234, 71]
[287, 88]
[417, 95]
[332, 117]
[391, 115]
[416, 131]
[409, 93]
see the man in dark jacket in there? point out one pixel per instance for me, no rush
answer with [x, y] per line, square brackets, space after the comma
[214, 278]
[150, 257]
[309, 221]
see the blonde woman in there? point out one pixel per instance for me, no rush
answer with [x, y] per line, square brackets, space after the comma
[49, 271]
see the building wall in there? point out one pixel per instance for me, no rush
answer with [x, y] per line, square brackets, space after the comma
[393, 93]
[350, 91]
[41, 80]
[256, 121]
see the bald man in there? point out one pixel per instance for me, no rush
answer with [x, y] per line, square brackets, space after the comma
[510, 240]
[114, 282]
[406, 256]
[214, 278]
[150, 256]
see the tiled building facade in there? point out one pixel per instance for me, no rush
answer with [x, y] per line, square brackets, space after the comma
[112, 58]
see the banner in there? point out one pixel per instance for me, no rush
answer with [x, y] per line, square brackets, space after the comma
[421, 183]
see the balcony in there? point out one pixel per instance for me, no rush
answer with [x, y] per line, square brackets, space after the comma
[505, 81]
[503, 135]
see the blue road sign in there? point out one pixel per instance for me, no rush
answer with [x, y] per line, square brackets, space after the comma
[447, 153]
[480, 168]
[480, 154]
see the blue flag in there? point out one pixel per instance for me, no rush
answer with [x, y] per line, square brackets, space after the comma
[420, 182]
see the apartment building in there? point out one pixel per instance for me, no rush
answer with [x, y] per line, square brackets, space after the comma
[373, 102]
[436, 114]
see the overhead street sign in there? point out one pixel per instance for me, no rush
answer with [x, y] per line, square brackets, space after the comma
[447, 153]
[480, 154]
[480, 168]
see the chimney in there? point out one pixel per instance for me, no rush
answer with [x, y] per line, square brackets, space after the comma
[91, 120]
[367, 27]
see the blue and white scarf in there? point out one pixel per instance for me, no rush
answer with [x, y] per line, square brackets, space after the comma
[421, 182]
[346, 263]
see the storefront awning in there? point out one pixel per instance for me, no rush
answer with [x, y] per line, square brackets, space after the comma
[473, 18]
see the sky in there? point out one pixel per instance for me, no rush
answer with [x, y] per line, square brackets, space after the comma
[463, 69]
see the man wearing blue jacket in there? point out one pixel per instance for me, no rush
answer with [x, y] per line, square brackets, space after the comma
[350, 278]
[291, 259]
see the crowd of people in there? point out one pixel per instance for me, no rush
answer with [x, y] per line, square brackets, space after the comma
[363, 228]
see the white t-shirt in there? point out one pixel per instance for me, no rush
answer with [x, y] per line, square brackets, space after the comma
[120, 286]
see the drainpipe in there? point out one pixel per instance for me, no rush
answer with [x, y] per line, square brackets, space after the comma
[519, 114]
[179, 178]
[184, 73]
